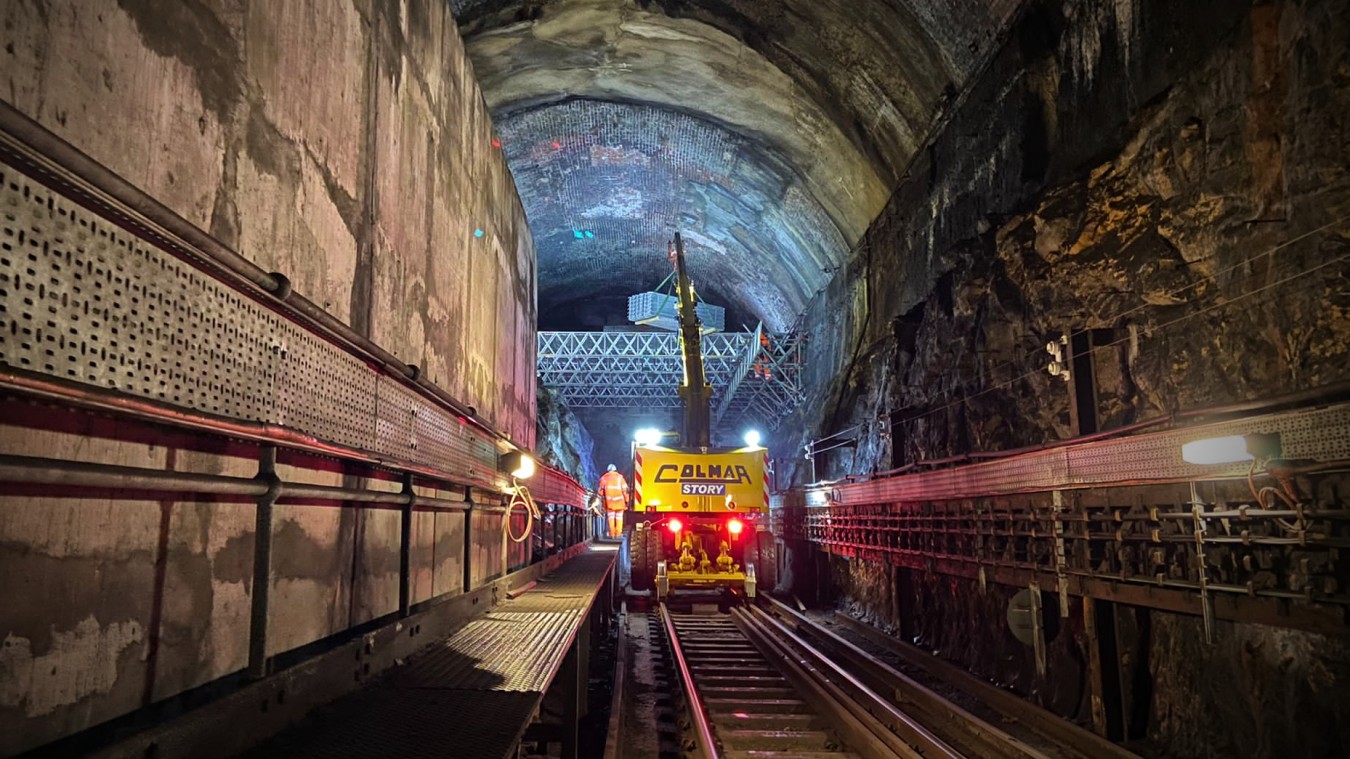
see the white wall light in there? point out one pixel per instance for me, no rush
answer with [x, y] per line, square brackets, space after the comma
[519, 463]
[1231, 449]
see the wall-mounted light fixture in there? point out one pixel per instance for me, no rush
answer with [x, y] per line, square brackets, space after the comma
[518, 464]
[1232, 449]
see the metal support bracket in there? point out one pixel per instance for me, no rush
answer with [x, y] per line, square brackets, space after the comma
[469, 511]
[1037, 629]
[1061, 575]
[405, 548]
[262, 562]
[1206, 605]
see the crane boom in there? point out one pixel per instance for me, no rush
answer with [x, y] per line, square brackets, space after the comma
[695, 392]
[696, 500]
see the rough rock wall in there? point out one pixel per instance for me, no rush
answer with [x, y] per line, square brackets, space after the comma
[954, 619]
[1175, 177]
[346, 145]
[1179, 184]
[769, 132]
[563, 441]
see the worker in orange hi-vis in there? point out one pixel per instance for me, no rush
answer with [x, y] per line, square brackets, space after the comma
[613, 489]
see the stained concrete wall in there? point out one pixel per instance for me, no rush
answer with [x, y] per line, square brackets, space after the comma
[1174, 174]
[346, 145]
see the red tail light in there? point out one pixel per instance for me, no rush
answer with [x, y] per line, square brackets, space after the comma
[675, 525]
[734, 526]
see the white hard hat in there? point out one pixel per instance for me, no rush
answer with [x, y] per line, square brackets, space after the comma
[612, 468]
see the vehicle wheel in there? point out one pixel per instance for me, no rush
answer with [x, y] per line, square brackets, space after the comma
[642, 572]
[751, 553]
[655, 553]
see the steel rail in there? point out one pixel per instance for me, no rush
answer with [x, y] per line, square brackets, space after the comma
[1039, 720]
[992, 738]
[878, 723]
[703, 736]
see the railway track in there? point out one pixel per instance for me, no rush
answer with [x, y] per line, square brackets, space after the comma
[766, 681]
[1050, 733]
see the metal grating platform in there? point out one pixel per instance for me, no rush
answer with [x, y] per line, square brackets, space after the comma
[473, 694]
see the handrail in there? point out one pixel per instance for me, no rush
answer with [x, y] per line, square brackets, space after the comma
[702, 730]
[29, 470]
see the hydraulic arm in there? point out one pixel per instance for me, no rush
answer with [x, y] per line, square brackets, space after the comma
[695, 392]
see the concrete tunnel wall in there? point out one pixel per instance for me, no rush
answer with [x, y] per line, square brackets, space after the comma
[346, 145]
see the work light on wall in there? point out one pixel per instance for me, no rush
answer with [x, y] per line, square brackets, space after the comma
[519, 464]
[1232, 449]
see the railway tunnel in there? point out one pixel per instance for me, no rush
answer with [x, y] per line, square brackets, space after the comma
[1040, 308]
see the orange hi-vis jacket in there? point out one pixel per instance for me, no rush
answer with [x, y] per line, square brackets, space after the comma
[614, 489]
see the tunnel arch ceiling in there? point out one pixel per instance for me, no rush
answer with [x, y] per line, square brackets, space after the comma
[768, 131]
[605, 183]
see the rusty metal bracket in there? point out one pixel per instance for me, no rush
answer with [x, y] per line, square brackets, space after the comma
[262, 562]
[1057, 525]
[1206, 608]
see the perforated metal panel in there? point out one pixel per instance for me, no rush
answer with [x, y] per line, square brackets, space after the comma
[310, 364]
[414, 430]
[1318, 434]
[84, 300]
[472, 658]
[471, 695]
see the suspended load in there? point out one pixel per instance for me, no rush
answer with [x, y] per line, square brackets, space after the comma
[662, 310]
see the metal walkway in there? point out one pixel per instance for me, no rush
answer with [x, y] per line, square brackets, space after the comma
[471, 696]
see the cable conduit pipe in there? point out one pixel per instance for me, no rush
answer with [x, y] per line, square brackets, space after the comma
[98, 399]
[30, 470]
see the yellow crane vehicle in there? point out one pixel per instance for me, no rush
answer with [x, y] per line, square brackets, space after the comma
[700, 507]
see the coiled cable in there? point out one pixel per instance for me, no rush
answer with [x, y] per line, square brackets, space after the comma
[520, 496]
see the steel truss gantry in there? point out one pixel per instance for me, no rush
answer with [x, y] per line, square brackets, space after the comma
[755, 376]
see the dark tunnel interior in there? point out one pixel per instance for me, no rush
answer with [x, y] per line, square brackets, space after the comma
[320, 323]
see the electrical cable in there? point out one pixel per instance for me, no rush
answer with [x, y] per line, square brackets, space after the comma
[520, 496]
[1260, 496]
